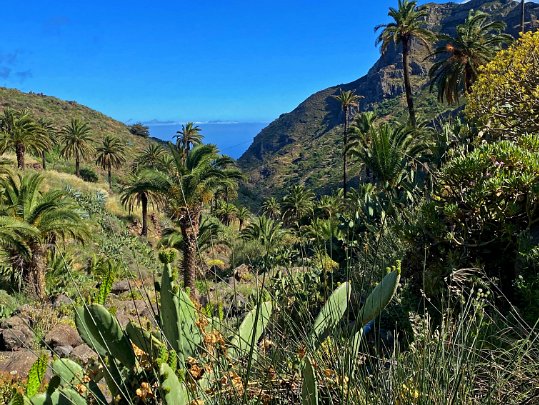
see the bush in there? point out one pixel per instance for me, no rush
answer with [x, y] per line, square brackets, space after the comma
[88, 175]
[139, 130]
[505, 99]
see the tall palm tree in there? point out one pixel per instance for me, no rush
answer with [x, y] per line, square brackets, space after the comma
[348, 101]
[144, 188]
[149, 158]
[188, 137]
[476, 42]
[111, 154]
[297, 204]
[48, 131]
[19, 132]
[208, 235]
[407, 25]
[77, 142]
[271, 208]
[522, 16]
[194, 181]
[50, 216]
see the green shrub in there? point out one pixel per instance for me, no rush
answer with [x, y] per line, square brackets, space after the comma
[88, 175]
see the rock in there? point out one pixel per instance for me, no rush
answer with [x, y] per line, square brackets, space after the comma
[19, 363]
[237, 307]
[133, 310]
[83, 354]
[15, 334]
[242, 273]
[62, 335]
[63, 351]
[120, 287]
[61, 299]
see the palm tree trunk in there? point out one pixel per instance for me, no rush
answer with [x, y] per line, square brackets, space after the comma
[144, 203]
[19, 151]
[77, 166]
[110, 176]
[407, 85]
[43, 161]
[35, 274]
[345, 140]
[189, 227]
[522, 16]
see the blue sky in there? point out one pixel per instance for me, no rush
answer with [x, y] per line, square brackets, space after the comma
[187, 60]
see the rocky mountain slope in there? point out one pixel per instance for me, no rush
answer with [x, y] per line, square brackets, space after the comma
[304, 146]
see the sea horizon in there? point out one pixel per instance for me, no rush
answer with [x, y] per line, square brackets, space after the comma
[232, 138]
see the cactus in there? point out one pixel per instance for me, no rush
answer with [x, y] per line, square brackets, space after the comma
[36, 375]
[143, 339]
[174, 392]
[381, 295]
[309, 389]
[68, 371]
[178, 316]
[331, 313]
[100, 330]
[251, 329]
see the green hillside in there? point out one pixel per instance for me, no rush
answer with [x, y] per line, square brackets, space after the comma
[60, 112]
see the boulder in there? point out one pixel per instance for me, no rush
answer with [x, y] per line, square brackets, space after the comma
[15, 334]
[120, 287]
[83, 354]
[62, 335]
[19, 363]
[60, 300]
[242, 273]
[63, 351]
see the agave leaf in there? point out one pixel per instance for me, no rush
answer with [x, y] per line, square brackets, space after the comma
[309, 389]
[332, 312]
[250, 332]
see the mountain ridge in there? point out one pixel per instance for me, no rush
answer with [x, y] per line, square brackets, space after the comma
[298, 146]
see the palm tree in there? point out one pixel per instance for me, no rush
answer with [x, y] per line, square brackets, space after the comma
[522, 16]
[19, 132]
[267, 232]
[209, 234]
[226, 212]
[297, 204]
[144, 188]
[348, 101]
[48, 131]
[194, 181]
[476, 42]
[242, 215]
[406, 26]
[271, 208]
[188, 137]
[149, 158]
[47, 217]
[359, 131]
[77, 142]
[111, 154]
[390, 151]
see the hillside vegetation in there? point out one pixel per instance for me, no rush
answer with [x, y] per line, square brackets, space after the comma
[415, 281]
[279, 157]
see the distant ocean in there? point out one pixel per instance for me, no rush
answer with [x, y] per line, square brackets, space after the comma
[232, 138]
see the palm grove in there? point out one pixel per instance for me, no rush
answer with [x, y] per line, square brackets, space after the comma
[444, 194]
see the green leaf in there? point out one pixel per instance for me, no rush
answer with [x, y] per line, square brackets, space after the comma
[332, 312]
[250, 332]
[174, 392]
[309, 389]
[380, 296]
[68, 371]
